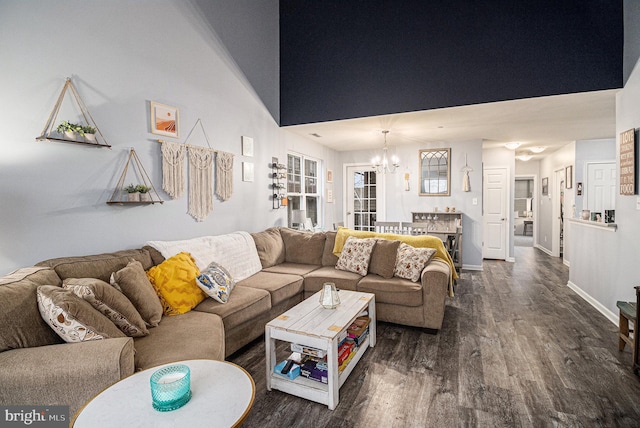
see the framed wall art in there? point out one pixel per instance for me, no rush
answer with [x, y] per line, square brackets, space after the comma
[628, 162]
[164, 120]
[247, 146]
[329, 176]
[568, 177]
[545, 186]
[247, 171]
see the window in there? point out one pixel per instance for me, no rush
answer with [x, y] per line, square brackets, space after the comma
[303, 188]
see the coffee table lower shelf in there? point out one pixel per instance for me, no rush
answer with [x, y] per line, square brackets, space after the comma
[313, 390]
[309, 324]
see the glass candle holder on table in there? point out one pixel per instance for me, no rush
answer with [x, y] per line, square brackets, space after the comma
[170, 387]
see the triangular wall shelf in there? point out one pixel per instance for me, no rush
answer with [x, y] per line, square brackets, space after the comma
[49, 132]
[118, 197]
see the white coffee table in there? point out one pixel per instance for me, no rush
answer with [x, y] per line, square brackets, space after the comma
[310, 324]
[223, 394]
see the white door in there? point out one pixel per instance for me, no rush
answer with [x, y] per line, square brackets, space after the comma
[601, 186]
[495, 218]
[362, 193]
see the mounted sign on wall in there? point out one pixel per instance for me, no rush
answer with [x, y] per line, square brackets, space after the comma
[628, 162]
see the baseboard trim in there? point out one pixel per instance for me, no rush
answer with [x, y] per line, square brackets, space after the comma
[472, 267]
[567, 263]
[544, 250]
[510, 259]
[593, 302]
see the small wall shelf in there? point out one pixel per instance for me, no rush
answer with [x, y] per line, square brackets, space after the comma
[278, 183]
[140, 174]
[49, 133]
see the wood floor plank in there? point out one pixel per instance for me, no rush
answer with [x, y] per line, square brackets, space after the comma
[518, 348]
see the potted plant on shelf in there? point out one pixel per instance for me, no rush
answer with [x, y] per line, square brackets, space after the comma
[68, 129]
[144, 192]
[89, 133]
[132, 193]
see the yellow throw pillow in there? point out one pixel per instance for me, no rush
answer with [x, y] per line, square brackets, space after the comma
[175, 282]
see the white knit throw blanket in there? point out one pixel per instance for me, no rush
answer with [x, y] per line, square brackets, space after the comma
[173, 168]
[224, 175]
[200, 182]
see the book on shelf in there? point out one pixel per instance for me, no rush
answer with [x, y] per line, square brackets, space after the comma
[308, 350]
[358, 326]
[314, 370]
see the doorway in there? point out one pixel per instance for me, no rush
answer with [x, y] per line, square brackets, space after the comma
[362, 193]
[524, 222]
[495, 220]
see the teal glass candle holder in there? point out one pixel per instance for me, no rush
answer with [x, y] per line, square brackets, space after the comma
[171, 387]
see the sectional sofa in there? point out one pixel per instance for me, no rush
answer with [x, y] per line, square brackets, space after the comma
[275, 269]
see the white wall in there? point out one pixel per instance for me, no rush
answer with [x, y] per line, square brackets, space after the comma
[548, 206]
[603, 150]
[121, 55]
[399, 204]
[604, 265]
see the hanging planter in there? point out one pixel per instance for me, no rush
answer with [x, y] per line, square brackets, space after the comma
[89, 134]
[68, 130]
[143, 193]
[71, 132]
[132, 193]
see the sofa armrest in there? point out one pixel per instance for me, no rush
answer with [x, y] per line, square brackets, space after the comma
[64, 374]
[435, 285]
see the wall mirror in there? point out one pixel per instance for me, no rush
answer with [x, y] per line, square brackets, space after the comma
[435, 172]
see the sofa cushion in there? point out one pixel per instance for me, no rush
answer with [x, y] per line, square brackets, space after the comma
[292, 268]
[355, 255]
[191, 336]
[395, 291]
[216, 282]
[303, 247]
[245, 304]
[175, 283]
[72, 318]
[22, 325]
[383, 257]
[410, 261]
[342, 279]
[281, 286]
[328, 258]
[109, 302]
[99, 266]
[270, 247]
[156, 256]
[133, 282]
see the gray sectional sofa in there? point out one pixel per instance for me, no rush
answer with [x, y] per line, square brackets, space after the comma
[38, 368]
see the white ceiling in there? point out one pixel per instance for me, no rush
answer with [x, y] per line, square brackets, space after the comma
[546, 121]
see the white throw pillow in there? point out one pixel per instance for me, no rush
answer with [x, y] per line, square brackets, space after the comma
[216, 281]
[410, 261]
[355, 255]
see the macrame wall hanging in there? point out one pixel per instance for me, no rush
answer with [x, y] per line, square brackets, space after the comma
[200, 184]
[200, 174]
[224, 175]
[173, 168]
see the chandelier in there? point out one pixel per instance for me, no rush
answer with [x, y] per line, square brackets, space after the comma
[381, 165]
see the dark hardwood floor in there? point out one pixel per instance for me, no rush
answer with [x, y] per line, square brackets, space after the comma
[518, 348]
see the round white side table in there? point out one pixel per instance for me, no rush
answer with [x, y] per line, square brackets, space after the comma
[223, 394]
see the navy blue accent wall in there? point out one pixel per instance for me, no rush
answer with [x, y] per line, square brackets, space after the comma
[354, 58]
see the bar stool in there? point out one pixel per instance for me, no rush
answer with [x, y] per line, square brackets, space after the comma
[627, 313]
